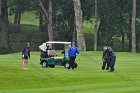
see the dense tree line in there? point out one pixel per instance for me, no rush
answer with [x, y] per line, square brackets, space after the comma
[63, 20]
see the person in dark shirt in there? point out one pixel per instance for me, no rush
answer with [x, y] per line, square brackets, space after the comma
[106, 58]
[25, 56]
[112, 59]
[109, 58]
[72, 51]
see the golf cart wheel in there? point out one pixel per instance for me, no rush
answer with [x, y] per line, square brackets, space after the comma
[66, 65]
[44, 64]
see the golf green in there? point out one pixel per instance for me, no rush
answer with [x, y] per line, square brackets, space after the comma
[87, 78]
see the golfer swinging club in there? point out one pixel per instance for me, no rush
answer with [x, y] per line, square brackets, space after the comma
[25, 56]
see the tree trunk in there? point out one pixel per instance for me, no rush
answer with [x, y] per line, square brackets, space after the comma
[121, 26]
[74, 38]
[95, 27]
[139, 45]
[99, 32]
[50, 19]
[79, 25]
[43, 9]
[130, 43]
[48, 16]
[0, 20]
[133, 26]
[4, 25]
[17, 20]
[130, 32]
[42, 23]
[122, 41]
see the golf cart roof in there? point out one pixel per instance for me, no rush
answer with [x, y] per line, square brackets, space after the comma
[43, 47]
[57, 42]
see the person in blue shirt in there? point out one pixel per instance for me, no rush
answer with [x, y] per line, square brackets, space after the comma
[72, 51]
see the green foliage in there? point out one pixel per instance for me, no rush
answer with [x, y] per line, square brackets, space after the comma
[114, 18]
[89, 41]
[19, 5]
[29, 34]
[88, 78]
[28, 18]
[64, 14]
[87, 8]
[88, 27]
[117, 45]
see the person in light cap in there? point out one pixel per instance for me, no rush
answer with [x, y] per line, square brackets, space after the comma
[25, 56]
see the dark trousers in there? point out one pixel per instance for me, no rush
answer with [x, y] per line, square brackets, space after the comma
[112, 63]
[107, 62]
[71, 62]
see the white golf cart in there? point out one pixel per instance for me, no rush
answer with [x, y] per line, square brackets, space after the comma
[49, 57]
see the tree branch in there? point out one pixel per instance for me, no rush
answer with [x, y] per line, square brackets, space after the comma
[43, 9]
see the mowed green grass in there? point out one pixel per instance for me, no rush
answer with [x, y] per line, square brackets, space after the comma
[88, 78]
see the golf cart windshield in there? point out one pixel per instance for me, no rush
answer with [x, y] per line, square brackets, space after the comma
[66, 45]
